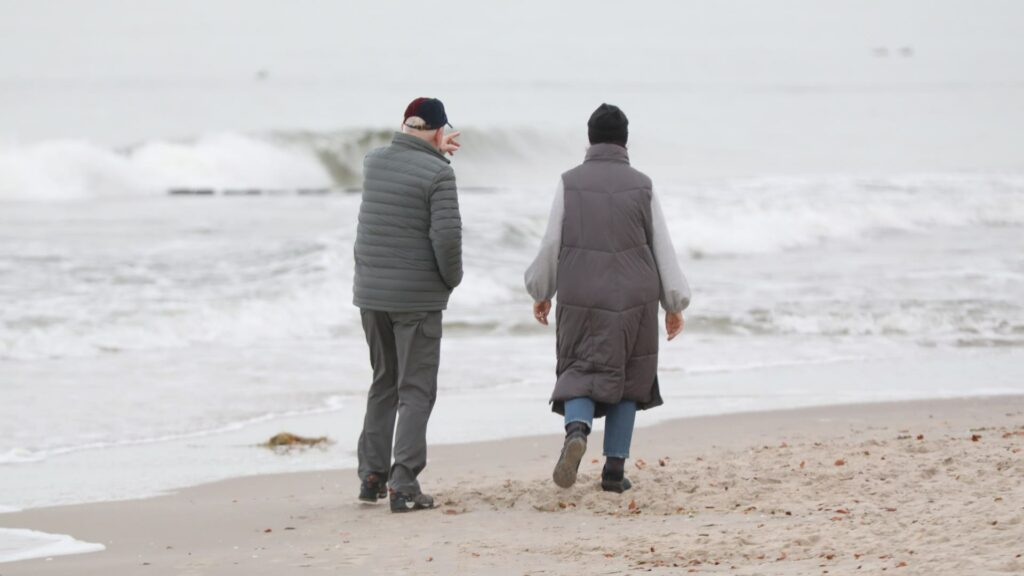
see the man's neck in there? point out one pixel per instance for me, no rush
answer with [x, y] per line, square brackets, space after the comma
[420, 135]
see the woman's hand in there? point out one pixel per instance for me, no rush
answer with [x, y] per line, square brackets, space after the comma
[541, 310]
[673, 323]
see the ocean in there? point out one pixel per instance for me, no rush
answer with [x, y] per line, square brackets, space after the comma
[179, 185]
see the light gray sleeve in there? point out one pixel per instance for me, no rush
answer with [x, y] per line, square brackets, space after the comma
[542, 276]
[675, 290]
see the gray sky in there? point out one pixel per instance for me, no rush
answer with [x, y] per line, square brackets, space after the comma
[524, 41]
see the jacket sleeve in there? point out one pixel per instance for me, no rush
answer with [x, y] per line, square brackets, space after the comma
[542, 276]
[446, 227]
[675, 290]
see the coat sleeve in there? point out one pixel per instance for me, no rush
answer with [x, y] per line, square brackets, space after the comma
[675, 290]
[446, 227]
[542, 276]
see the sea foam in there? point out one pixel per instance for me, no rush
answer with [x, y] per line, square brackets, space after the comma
[73, 169]
[20, 544]
[267, 162]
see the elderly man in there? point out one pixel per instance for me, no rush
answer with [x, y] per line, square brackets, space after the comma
[408, 259]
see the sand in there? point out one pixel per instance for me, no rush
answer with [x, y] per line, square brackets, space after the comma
[931, 487]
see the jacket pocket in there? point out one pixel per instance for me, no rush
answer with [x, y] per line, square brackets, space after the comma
[431, 325]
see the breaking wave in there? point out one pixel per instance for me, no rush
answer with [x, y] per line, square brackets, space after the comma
[283, 161]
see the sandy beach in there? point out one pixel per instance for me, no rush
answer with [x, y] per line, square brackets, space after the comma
[181, 186]
[927, 487]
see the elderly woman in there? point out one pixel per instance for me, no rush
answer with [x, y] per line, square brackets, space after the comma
[608, 255]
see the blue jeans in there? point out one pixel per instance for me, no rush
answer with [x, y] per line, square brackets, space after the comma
[618, 430]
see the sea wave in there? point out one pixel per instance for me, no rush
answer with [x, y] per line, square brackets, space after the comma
[167, 275]
[770, 214]
[286, 161]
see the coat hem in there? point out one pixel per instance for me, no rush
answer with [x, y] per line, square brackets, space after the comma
[382, 307]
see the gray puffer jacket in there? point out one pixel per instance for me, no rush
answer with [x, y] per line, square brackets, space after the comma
[408, 249]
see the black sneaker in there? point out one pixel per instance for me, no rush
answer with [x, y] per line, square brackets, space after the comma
[401, 502]
[373, 488]
[569, 461]
[617, 483]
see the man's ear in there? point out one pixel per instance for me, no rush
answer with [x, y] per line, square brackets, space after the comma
[439, 137]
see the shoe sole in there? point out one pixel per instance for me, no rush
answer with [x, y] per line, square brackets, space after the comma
[415, 508]
[569, 462]
[405, 508]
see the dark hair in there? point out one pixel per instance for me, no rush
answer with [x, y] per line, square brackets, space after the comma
[608, 125]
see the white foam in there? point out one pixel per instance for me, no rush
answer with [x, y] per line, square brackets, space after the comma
[79, 169]
[20, 544]
[74, 169]
[252, 279]
[229, 161]
[765, 215]
[20, 456]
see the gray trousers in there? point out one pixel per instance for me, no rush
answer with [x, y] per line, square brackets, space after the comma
[405, 350]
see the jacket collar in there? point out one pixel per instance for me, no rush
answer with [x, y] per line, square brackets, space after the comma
[607, 153]
[410, 141]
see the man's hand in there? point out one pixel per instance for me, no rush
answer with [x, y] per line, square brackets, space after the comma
[673, 324]
[448, 143]
[541, 310]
